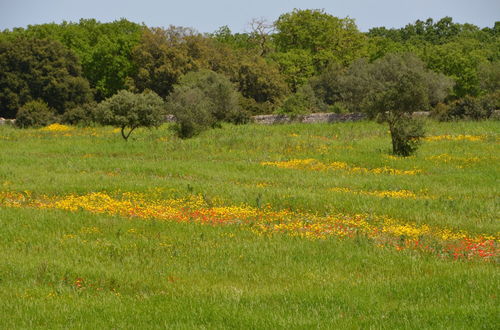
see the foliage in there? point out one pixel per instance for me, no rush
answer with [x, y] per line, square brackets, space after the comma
[301, 103]
[303, 48]
[39, 69]
[403, 86]
[192, 111]
[460, 51]
[440, 32]
[103, 49]
[459, 60]
[218, 90]
[326, 37]
[128, 110]
[202, 100]
[261, 80]
[390, 89]
[253, 108]
[441, 112]
[35, 114]
[329, 84]
[296, 65]
[489, 76]
[235, 41]
[161, 59]
[406, 133]
[471, 107]
[84, 115]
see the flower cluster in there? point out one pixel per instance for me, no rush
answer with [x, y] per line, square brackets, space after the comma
[315, 165]
[460, 137]
[56, 128]
[383, 231]
[406, 194]
[445, 158]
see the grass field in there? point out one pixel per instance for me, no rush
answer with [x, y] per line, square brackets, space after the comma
[294, 226]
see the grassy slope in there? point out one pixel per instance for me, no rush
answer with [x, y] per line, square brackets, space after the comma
[189, 275]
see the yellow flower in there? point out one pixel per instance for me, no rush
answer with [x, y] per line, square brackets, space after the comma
[56, 128]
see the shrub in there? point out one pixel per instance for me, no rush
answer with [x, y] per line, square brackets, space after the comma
[304, 101]
[35, 114]
[81, 115]
[490, 103]
[391, 89]
[218, 90]
[202, 100]
[338, 107]
[441, 112]
[252, 107]
[128, 110]
[470, 108]
[406, 133]
[294, 106]
[192, 111]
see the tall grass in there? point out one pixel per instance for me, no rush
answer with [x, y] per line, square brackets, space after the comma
[76, 269]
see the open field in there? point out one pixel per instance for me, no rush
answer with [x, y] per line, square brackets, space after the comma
[249, 226]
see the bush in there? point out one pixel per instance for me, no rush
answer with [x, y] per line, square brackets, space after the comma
[294, 106]
[253, 108]
[128, 110]
[218, 90]
[441, 112]
[192, 111]
[338, 107]
[301, 103]
[406, 134]
[35, 114]
[391, 89]
[490, 103]
[81, 115]
[470, 108]
[202, 100]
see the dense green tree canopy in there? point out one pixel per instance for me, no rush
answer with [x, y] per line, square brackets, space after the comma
[326, 37]
[161, 58]
[32, 69]
[103, 49]
[303, 50]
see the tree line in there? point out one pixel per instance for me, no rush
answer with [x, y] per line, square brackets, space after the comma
[305, 61]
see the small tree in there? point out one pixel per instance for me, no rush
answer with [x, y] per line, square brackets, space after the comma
[303, 102]
[218, 90]
[128, 110]
[35, 114]
[192, 111]
[390, 89]
[203, 100]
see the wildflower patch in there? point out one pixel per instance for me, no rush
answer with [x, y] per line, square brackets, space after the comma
[382, 231]
[315, 165]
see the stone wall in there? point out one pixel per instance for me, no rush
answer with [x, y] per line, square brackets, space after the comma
[4, 121]
[310, 118]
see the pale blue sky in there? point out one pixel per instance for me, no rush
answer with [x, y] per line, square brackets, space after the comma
[207, 16]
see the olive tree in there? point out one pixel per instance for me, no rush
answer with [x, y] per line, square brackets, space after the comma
[202, 100]
[390, 90]
[127, 110]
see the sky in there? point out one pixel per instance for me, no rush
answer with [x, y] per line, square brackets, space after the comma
[208, 16]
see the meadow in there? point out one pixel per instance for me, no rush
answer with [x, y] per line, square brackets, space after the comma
[292, 226]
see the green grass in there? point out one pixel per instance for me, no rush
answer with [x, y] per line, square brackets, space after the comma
[147, 274]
